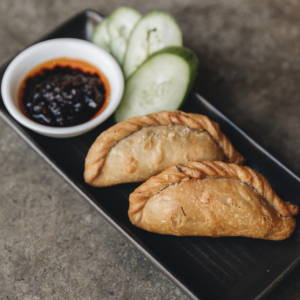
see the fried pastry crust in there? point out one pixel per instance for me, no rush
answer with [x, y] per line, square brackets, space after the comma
[140, 147]
[211, 199]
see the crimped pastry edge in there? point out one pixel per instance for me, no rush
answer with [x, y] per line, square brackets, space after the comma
[96, 156]
[180, 173]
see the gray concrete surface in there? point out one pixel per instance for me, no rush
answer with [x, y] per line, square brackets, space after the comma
[53, 245]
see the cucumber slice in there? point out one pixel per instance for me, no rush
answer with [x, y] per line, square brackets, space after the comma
[101, 35]
[160, 83]
[120, 25]
[155, 31]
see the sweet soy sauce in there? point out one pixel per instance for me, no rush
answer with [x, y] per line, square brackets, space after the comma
[63, 92]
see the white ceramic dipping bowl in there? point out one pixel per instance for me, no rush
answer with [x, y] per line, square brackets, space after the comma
[53, 49]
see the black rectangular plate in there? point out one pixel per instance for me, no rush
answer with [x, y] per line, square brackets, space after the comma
[205, 268]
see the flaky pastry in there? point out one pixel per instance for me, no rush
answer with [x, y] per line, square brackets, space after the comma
[211, 199]
[140, 147]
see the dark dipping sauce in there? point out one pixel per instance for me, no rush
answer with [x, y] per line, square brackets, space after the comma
[69, 93]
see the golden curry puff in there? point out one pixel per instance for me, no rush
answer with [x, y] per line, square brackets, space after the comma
[211, 199]
[140, 147]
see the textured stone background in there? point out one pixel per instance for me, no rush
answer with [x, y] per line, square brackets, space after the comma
[53, 245]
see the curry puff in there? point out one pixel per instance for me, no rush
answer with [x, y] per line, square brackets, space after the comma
[140, 147]
[211, 199]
